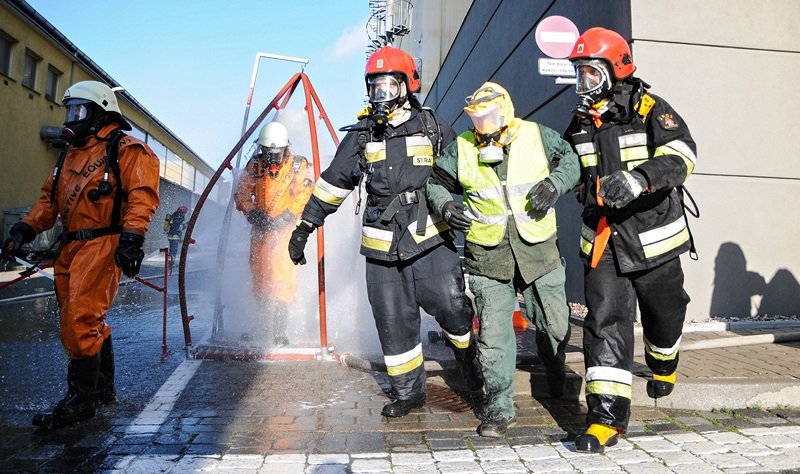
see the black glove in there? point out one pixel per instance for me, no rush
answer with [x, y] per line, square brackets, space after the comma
[19, 235]
[543, 195]
[621, 187]
[297, 243]
[454, 213]
[257, 217]
[129, 254]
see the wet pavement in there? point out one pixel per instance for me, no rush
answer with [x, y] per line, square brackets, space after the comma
[726, 415]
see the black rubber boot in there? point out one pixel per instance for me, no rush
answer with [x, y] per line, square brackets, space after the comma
[596, 438]
[467, 360]
[78, 404]
[106, 389]
[657, 389]
[661, 385]
[403, 407]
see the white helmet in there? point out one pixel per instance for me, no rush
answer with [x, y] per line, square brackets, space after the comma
[273, 135]
[98, 93]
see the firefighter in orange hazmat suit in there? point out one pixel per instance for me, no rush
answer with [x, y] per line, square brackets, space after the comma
[105, 187]
[271, 192]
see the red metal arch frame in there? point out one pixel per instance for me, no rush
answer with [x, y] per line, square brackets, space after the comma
[277, 103]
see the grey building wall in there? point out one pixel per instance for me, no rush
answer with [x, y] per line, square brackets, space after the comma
[726, 66]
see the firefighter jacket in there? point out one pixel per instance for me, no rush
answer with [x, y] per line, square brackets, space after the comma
[280, 197]
[175, 225]
[395, 165]
[505, 232]
[641, 132]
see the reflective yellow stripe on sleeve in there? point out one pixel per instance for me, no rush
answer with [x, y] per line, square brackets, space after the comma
[329, 193]
[679, 148]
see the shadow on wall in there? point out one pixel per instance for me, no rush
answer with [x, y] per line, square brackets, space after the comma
[739, 293]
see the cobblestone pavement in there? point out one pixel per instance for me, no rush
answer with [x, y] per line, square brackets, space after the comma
[320, 417]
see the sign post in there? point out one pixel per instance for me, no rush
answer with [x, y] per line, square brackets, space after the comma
[555, 36]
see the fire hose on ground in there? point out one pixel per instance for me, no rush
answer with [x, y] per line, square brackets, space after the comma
[353, 361]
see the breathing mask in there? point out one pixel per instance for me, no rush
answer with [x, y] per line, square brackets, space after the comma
[82, 115]
[385, 92]
[490, 111]
[270, 159]
[593, 84]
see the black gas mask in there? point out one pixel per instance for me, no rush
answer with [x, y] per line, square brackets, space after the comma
[269, 160]
[594, 82]
[386, 92]
[83, 117]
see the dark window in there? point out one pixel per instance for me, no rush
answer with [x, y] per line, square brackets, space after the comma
[29, 71]
[6, 44]
[51, 86]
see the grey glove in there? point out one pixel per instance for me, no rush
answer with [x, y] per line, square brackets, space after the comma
[543, 195]
[19, 235]
[621, 187]
[454, 213]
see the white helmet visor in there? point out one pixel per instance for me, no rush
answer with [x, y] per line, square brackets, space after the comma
[77, 110]
[383, 88]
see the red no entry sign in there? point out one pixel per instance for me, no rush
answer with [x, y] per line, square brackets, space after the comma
[556, 35]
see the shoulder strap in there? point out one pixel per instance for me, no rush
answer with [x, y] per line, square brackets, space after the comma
[434, 132]
[112, 155]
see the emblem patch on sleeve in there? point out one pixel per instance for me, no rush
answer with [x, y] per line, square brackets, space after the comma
[667, 121]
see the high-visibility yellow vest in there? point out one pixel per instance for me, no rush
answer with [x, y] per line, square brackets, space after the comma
[491, 201]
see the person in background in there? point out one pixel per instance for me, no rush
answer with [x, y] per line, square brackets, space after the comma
[635, 153]
[271, 192]
[412, 262]
[174, 227]
[105, 188]
[510, 173]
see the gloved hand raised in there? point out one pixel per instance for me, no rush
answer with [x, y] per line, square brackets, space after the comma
[543, 195]
[454, 213]
[257, 217]
[129, 254]
[19, 235]
[621, 187]
[297, 243]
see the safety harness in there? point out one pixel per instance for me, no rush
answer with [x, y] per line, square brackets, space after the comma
[112, 160]
[392, 204]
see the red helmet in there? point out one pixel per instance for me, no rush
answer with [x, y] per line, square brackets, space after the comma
[395, 61]
[183, 209]
[601, 43]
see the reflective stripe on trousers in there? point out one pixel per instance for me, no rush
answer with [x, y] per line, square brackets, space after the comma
[432, 281]
[608, 341]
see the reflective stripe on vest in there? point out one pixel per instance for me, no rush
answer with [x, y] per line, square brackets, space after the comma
[491, 201]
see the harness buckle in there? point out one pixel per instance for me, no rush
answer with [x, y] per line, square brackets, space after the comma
[408, 197]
